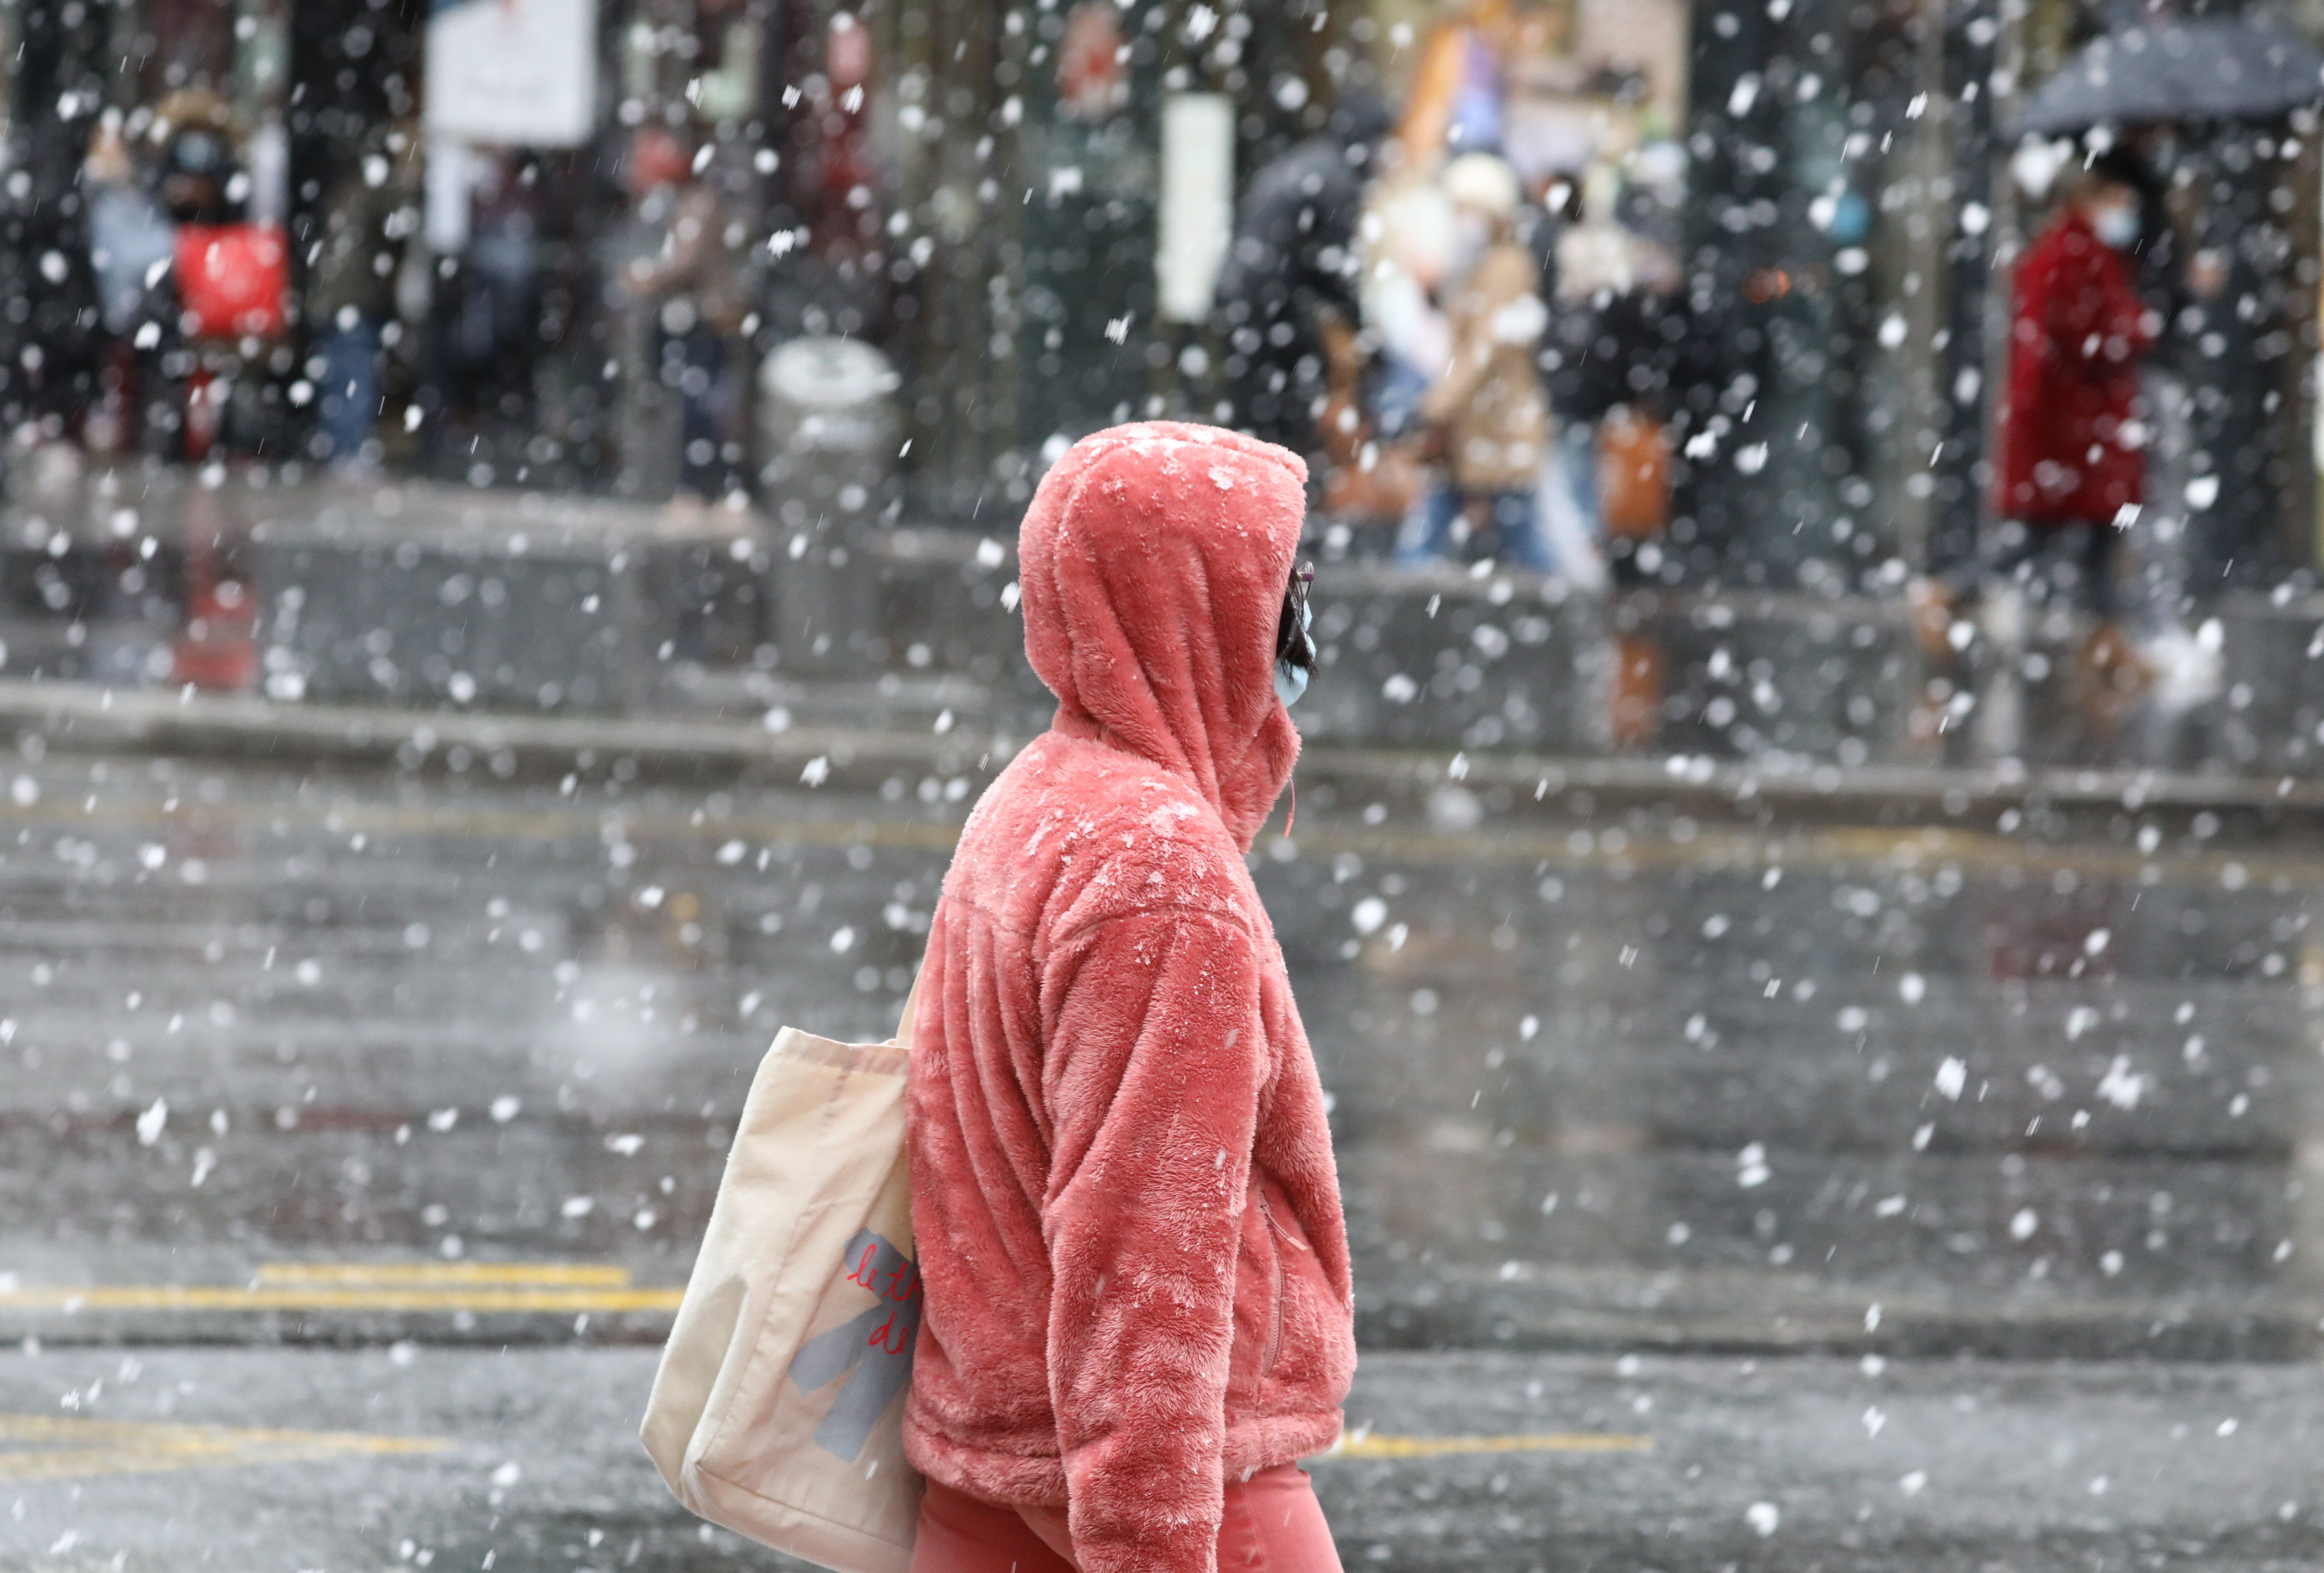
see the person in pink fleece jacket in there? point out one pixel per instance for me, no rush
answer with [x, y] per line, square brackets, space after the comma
[1138, 1304]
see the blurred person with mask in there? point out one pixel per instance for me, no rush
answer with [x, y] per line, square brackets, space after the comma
[1286, 296]
[700, 281]
[352, 298]
[199, 158]
[2071, 469]
[1486, 412]
[231, 275]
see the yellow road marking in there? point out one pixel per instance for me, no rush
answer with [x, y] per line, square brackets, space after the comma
[564, 1287]
[533, 1274]
[49, 1448]
[1374, 1446]
[481, 1299]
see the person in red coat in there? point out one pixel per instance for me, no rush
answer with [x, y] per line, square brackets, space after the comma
[2072, 467]
[1138, 1306]
[2072, 449]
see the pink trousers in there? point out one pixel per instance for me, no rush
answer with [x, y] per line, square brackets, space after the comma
[1273, 1524]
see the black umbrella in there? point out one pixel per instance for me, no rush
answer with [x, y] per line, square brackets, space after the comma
[2204, 70]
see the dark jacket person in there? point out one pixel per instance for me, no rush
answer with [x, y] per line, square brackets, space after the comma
[1287, 295]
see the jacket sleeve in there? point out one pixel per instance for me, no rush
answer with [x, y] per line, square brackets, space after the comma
[1156, 1056]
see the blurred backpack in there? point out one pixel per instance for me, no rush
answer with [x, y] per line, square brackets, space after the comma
[234, 281]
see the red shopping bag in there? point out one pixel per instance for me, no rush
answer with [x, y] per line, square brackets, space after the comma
[234, 280]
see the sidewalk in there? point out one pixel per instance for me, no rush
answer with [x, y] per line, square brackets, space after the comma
[1452, 789]
[542, 627]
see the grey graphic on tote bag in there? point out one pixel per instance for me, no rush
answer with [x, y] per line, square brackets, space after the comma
[873, 1351]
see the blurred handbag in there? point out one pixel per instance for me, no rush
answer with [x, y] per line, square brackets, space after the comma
[1634, 479]
[1386, 491]
[777, 1411]
[234, 281]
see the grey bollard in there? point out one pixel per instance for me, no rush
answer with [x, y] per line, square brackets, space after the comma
[827, 433]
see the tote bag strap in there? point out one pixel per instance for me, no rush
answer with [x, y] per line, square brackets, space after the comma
[911, 1008]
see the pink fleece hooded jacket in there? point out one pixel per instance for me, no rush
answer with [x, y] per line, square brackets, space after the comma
[1123, 1196]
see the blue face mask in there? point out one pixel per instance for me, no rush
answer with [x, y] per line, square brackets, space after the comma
[1290, 681]
[2118, 226]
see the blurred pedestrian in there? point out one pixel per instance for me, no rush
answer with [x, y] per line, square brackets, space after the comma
[1408, 249]
[132, 242]
[1135, 1266]
[700, 281]
[1616, 320]
[1487, 414]
[231, 277]
[1287, 297]
[2072, 466]
[1406, 246]
[2180, 282]
[371, 211]
[497, 305]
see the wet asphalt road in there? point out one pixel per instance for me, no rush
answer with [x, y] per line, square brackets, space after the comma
[417, 1069]
[524, 1462]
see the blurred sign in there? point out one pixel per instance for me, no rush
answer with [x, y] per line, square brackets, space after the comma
[1197, 218]
[522, 72]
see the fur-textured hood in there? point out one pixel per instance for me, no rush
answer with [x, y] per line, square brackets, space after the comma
[1123, 1195]
[1152, 565]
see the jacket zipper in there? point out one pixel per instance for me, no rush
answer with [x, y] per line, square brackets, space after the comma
[1275, 1330]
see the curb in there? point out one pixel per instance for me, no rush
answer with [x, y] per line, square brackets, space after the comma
[85, 718]
[2275, 1332]
[2270, 1332]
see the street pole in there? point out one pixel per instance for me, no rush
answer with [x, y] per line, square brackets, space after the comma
[1934, 184]
[1970, 86]
[2005, 90]
[47, 292]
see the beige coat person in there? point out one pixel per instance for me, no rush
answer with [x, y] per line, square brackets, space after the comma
[1489, 403]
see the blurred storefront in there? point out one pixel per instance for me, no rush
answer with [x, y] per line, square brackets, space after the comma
[1819, 241]
[1025, 147]
[978, 191]
[1861, 197]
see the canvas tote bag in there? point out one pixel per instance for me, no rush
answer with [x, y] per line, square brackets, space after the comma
[775, 1411]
